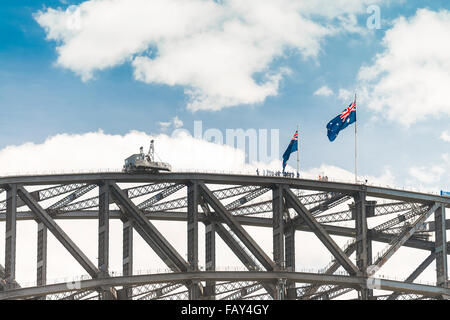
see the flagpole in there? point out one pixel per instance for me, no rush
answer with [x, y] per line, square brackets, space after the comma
[298, 151]
[356, 146]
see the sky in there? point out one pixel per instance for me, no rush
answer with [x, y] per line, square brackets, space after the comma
[83, 84]
[67, 68]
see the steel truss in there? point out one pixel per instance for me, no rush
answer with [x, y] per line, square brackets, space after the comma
[225, 204]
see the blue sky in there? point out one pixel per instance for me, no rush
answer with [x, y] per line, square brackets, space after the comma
[39, 98]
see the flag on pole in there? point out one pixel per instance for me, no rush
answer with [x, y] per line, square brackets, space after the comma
[341, 121]
[292, 147]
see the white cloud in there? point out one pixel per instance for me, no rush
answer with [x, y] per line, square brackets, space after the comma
[323, 91]
[219, 52]
[445, 136]
[409, 80]
[175, 123]
[345, 95]
[164, 125]
[427, 175]
[446, 158]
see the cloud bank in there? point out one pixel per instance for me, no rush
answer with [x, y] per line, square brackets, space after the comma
[221, 53]
[408, 81]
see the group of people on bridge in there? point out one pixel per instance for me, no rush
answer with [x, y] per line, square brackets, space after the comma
[278, 173]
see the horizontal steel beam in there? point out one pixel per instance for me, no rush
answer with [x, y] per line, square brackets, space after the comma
[243, 220]
[300, 277]
[230, 179]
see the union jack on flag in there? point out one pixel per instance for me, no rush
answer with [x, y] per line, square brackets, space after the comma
[352, 107]
[341, 121]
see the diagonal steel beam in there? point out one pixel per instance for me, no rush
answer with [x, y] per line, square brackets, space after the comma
[243, 291]
[133, 192]
[325, 199]
[248, 197]
[333, 200]
[414, 211]
[237, 247]
[45, 194]
[71, 197]
[148, 231]
[160, 292]
[163, 194]
[425, 263]
[379, 210]
[331, 268]
[236, 227]
[59, 234]
[398, 241]
[233, 243]
[220, 194]
[320, 232]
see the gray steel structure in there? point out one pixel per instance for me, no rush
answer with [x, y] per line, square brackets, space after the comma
[225, 204]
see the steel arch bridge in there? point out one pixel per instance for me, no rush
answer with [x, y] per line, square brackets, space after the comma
[225, 203]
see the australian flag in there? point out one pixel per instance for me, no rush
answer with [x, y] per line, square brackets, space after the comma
[342, 121]
[292, 147]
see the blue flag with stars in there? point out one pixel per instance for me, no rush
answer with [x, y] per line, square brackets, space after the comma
[292, 147]
[341, 121]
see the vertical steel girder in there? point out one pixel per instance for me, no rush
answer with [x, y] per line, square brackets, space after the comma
[192, 225]
[362, 241]
[210, 251]
[279, 241]
[192, 236]
[127, 253]
[441, 247]
[289, 248]
[236, 227]
[210, 258]
[148, 231]
[59, 234]
[320, 232]
[103, 239]
[415, 274]
[278, 227]
[41, 277]
[362, 259]
[289, 257]
[10, 235]
[103, 229]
